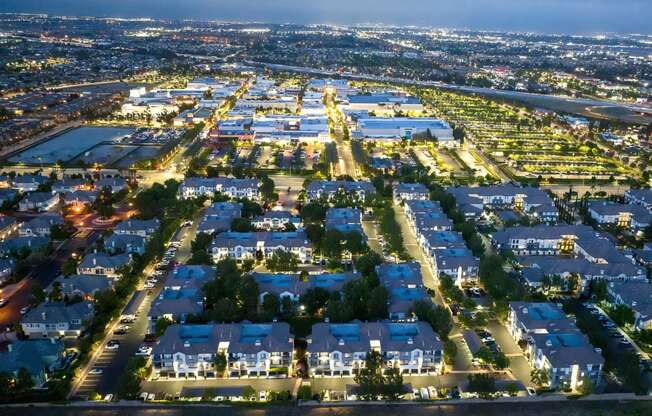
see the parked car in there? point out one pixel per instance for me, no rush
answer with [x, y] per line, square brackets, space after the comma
[96, 371]
[113, 344]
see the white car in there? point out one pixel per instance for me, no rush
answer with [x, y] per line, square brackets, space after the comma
[144, 350]
[96, 371]
[112, 345]
[108, 397]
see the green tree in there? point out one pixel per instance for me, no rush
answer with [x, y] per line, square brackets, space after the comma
[199, 249]
[501, 361]
[377, 303]
[282, 261]
[6, 384]
[586, 387]
[313, 212]
[314, 299]
[56, 295]
[220, 363]
[622, 315]
[483, 384]
[304, 393]
[161, 325]
[370, 378]
[241, 225]
[540, 377]
[599, 288]
[129, 383]
[485, 355]
[24, 380]
[271, 305]
[69, 267]
[392, 385]
[248, 393]
[450, 352]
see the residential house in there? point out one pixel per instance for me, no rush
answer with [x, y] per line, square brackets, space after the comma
[175, 305]
[115, 183]
[251, 350]
[219, 216]
[125, 243]
[38, 201]
[252, 245]
[340, 350]
[531, 202]
[291, 286]
[28, 183]
[56, 320]
[142, 228]
[40, 225]
[629, 216]
[642, 197]
[7, 269]
[79, 200]
[231, 187]
[70, 185]
[410, 192]
[40, 358]
[8, 227]
[404, 283]
[330, 189]
[638, 296]
[16, 244]
[84, 285]
[553, 343]
[344, 220]
[276, 221]
[103, 264]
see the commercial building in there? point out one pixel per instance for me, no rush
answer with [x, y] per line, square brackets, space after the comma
[398, 128]
[383, 102]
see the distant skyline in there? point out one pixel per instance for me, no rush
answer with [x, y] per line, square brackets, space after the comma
[546, 16]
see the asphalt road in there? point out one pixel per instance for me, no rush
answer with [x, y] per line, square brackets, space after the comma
[113, 362]
[42, 276]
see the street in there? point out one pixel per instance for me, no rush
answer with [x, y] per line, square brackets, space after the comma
[113, 362]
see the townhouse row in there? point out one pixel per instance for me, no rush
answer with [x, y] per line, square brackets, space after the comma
[268, 350]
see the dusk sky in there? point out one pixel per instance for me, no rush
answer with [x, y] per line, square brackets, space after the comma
[559, 16]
